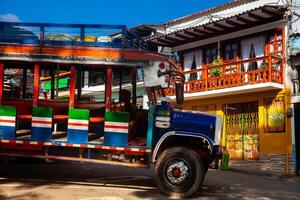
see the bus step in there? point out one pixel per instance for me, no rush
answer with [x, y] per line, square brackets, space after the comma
[95, 138]
[22, 133]
[59, 134]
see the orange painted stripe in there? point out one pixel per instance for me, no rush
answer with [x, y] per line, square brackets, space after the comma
[7, 120]
[98, 52]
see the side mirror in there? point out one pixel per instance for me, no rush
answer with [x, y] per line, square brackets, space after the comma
[179, 88]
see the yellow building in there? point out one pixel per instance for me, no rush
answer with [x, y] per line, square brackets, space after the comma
[234, 60]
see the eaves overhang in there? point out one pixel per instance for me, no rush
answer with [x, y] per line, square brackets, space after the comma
[250, 18]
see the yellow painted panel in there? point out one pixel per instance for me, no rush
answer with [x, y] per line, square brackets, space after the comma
[273, 143]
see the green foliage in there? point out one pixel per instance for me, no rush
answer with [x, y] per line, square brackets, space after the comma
[216, 71]
[263, 65]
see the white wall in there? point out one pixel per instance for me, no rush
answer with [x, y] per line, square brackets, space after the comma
[296, 8]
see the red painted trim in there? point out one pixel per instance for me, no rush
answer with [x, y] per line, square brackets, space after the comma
[69, 145]
[36, 84]
[41, 122]
[30, 144]
[108, 88]
[120, 127]
[77, 124]
[72, 87]
[1, 81]
[148, 91]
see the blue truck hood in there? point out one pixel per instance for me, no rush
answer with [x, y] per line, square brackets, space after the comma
[195, 122]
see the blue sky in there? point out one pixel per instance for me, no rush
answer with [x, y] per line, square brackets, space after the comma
[128, 12]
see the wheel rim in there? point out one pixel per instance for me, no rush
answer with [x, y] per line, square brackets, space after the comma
[177, 172]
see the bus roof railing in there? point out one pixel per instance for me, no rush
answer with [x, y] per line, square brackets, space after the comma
[56, 34]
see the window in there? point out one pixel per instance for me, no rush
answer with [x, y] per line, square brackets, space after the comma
[230, 51]
[18, 83]
[210, 54]
[252, 65]
[96, 77]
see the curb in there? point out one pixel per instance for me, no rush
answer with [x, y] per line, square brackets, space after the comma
[258, 173]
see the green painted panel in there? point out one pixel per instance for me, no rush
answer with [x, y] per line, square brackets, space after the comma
[62, 83]
[79, 114]
[8, 111]
[117, 116]
[42, 112]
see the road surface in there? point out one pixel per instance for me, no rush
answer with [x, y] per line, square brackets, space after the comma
[35, 179]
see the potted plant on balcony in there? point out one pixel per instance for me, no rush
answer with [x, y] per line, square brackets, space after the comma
[215, 71]
[263, 65]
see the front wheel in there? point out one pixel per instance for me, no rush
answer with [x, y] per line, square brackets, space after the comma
[179, 172]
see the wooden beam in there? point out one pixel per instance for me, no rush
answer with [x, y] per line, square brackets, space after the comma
[164, 40]
[183, 36]
[245, 21]
[36, 83]
[232, 23]
[221, 26]
[1, 81]
[159, 43]
[203, 32]
[72, 87]
[255, 16]
[193, 34]
[270, 13]
[173, 39]
[211, 29]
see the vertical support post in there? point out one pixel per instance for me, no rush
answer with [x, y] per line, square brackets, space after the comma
[121, 82]
[108, 88]
[219, 49]
[79, 84]
[124, 33]
[1, 31]
[148, 91]
[86, 79]
[72, 87]
[42, 34]
[82, 34]
[1, 81]
[283, 41]
[57, 80]
[206, 77]
[52, 74]
[24, 83]
[270, 68]
[36, 82]
[133, 83]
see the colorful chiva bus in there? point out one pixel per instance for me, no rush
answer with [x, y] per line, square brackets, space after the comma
[76, 96]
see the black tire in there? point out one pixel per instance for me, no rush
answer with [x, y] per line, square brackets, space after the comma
[187, 181]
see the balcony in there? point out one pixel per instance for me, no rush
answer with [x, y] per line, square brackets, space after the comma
[233, 77]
